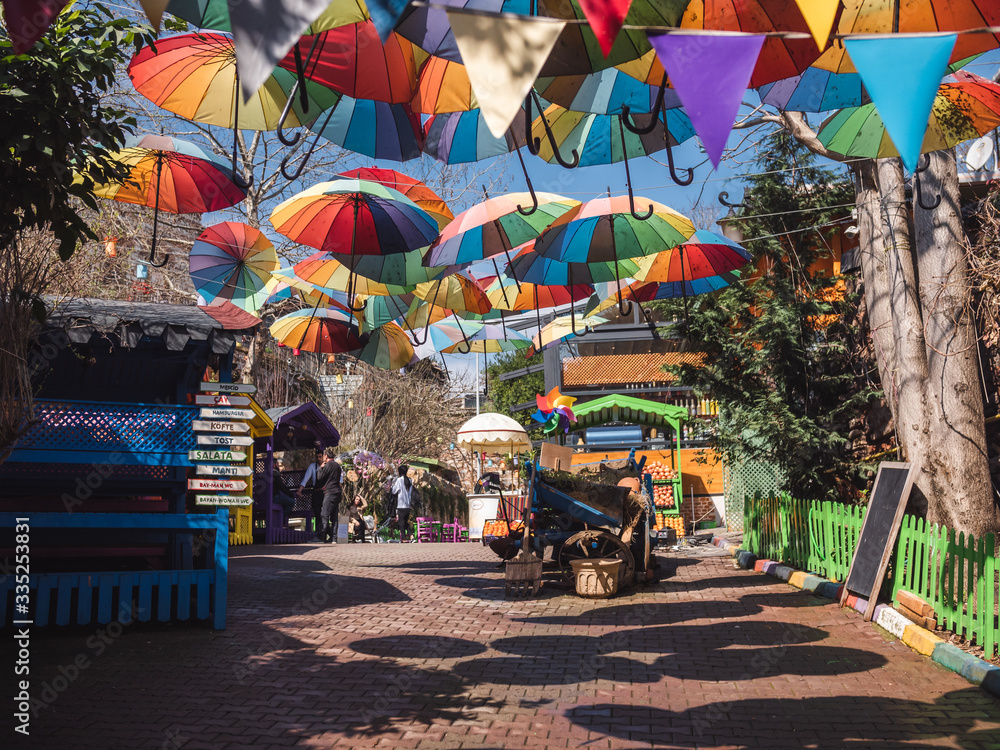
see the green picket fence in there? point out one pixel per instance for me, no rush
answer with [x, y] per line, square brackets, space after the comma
[956, 575]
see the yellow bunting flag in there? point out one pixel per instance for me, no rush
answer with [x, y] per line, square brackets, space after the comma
[819, 15]
[502, 58]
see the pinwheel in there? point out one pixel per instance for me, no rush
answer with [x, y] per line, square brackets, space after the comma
[555, 411]
[232, 261]
[326, 331]
[168, 174]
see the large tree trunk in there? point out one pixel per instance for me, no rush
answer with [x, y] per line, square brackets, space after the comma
[955, 472]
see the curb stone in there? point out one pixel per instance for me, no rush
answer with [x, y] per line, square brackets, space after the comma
[975, 670]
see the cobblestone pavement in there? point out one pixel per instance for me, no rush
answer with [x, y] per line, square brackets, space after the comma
[414, 646]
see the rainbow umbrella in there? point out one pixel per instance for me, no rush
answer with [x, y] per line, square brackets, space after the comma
[490, 339]
[168, 174]
[463, 138]
[354, 217]
[604, 92]
[411, 187]
[214, 14]
[560, 329]
[443, 86]
[641, 291]
[233, 261]
[505, 293]
[194, 76]
[396, 270]
[380, 310]
[456, 292]
[451, 331]
[966, 107]
[320, 273]
[598, 138]
[388, 347]
[326, 331]
[376, 129]
[529, 266]
[314, 295]
[496, 226]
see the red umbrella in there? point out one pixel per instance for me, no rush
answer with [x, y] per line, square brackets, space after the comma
[411, 187]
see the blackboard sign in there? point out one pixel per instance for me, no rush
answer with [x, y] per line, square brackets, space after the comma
[878, 532]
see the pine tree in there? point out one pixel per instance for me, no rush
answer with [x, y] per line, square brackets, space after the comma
[778, 366]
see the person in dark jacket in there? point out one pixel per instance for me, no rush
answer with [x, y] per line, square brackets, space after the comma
[328, 477]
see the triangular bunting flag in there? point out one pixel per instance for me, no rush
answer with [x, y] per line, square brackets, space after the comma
[902, 74]
[502, 57]
[154, 11]
[384, 14]
[819, 15]
[606, 18]
[710, 73]
[264, 31]
[28, 20]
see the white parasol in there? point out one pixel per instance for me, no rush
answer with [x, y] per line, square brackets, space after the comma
[493, 432]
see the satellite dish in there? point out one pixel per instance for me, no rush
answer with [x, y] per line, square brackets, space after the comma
[979, 153]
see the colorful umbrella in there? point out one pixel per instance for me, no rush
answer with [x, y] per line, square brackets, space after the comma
[456, 292]
[326, 331]
[315, 296]
[451, 331]
[705, 254]
[496, 226]
[463, 138]
[505, 294]
[194, 76]
[411, 187]
[354, 217]
[380, 310]
[443, 86]
[321, 273]
[490, 339]
[641, 291]
[605, 230]
[172, 175]
[233, 261]
[914, 16]
[398, 269]
[604, 92]
[597, 138]
[376, 129]
[965, 108]
[352, 60]
[214, 14]
[560, 329]
[529, 266]
[388, 347]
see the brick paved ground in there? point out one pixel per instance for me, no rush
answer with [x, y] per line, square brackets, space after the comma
[413, 646]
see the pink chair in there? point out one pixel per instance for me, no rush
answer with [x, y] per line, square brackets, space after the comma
[424, 529]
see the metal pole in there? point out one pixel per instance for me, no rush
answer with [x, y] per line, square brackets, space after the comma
[477, 384]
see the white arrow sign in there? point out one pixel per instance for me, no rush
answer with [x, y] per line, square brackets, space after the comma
[222, 500]
[219, 485]
[222, 400]
[217, 456]
[204, 426]
[224, 440]
[209, 470]
[228, 388]
[226, 413]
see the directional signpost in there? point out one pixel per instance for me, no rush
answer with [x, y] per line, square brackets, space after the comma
[219, 453]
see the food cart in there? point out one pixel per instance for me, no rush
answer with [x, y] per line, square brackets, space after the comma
[494, 434]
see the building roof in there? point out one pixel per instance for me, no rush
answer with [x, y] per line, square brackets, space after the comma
[302, 426]
[621, 369]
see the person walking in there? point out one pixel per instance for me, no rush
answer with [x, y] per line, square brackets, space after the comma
[328, 477]
[309, 485]
[402, 490]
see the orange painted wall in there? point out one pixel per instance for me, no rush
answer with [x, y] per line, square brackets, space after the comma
[703, 478]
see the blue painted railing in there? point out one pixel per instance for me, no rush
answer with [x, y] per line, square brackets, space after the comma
[84, 432]
[103, 597]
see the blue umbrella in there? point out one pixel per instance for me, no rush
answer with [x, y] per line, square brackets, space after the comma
[376, 129]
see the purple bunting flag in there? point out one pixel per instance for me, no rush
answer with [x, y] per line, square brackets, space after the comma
[710, 73]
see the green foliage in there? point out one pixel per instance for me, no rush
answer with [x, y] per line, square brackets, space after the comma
[59, 125]
[509, 393]
[779, 364]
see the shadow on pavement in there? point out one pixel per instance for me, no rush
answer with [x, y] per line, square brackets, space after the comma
[837, 722]
[649, 613]
[418, 647]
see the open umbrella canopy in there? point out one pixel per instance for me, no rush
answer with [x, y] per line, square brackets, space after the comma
[352, 60]
[398, 269]
[194, 76]
[354, 217]
[504, 293]
[604, 230]
[598, 138]
[456, 292]
[327, 331]
[529, 266]
[641, 291]
[451, 331]
[233, 261]
[490, 339]
[388, 347]
[376, 129]
[214, 14]
[704, 255]
[380, 310]
[443, 86]
[965, 107]
[463, 137]
[604, 92]
[561, 329]
[411, 187]
[176, 175]
[495, 226]
[321, 273]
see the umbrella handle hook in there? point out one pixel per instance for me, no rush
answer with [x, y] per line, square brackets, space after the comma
[288, 140]
[531, 189]
[572, 310]
[529, 137]
[645, 130]
[309, 153]
[624, 305]
[724, 200]
[486, 377]
[923, 164]
[628, 183]
[550, 136]
[156, 216]
[685, 181]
